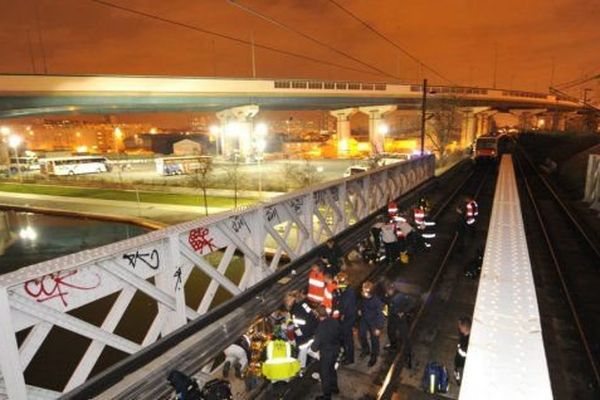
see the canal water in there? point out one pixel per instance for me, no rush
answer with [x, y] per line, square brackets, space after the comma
[29, 238]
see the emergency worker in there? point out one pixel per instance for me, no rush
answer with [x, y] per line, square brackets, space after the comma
[398, 307]
[279, 364]
[331, 255]
[305, 323]
[464, 331]
[327, 344]
[237, 354]
[372, 321]
[390, 241]
[316, 285]
[346, 305]
[329, 293]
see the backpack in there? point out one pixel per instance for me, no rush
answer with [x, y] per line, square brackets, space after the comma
[217, 389]
[185, 387]
[435, 378]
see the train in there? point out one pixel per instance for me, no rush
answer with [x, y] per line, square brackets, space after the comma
[490, 148]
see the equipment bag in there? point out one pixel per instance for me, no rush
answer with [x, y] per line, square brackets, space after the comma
[186, 388]
[217, 389]
[404, 257]
[435, 378]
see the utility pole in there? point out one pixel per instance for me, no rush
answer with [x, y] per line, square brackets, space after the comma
[31, 51]
[40, 38]
[423, 109]
[253, 55]
[495, 63]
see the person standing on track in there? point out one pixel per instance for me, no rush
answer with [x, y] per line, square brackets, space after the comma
[390, 242]
[316, 285]
[464, 331]
[372, 321]
[305, 322]
[331, 255]
[346, 305]
[398, 307]
[468, 212]
[327, 344]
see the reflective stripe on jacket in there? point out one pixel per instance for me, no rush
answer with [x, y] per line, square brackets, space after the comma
[280, 365]
[316, 286]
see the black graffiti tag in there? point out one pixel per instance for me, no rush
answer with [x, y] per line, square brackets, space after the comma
[151, 259]
[178, 281]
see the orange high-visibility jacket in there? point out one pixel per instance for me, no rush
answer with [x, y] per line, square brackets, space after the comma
[316, 287]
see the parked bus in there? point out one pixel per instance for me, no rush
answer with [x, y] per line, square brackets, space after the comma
[75, 165]
[178, 165]
[25, 163]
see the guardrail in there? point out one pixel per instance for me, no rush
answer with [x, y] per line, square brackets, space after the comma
[159, 265]
[592, 182]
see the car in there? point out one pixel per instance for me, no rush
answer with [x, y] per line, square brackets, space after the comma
[355, 170]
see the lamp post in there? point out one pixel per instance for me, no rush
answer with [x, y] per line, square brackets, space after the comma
[383, 129]
[423, 117]
[14, 141]
[216, 132]
[260, 131]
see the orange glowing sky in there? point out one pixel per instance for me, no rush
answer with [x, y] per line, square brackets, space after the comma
[457, 37]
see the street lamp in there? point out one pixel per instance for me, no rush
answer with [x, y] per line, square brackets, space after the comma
[383, 129]
[14, 141]
[216, 132]
[261, 145]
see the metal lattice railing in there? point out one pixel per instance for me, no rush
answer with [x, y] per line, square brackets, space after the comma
[160, 265]
[592, 182]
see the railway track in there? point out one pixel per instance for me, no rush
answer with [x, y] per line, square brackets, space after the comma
[481, 181]
[381, 382]
[566, 265]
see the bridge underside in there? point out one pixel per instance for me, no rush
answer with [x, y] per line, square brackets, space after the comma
[23, 106]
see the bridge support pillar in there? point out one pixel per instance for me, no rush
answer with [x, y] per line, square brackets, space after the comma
[559, 121]
[377, 127]
[471, 124]
[343, 129]
[527, 118]
[4, 155]
[237, 130]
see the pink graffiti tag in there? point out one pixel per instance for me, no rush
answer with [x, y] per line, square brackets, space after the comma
[199, 239]
[53, 285]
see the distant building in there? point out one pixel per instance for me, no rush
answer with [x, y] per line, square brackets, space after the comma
[187, 147]
[162, 143]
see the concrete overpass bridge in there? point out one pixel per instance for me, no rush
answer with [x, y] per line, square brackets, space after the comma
[239, 100]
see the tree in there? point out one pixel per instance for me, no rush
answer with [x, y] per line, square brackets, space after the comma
[305, 174]
[202, 177]
[443, 125]
[235, 177]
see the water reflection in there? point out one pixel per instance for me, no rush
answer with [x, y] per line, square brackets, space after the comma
[29, 238]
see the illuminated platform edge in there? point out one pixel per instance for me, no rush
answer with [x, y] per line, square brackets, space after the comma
[506, 358]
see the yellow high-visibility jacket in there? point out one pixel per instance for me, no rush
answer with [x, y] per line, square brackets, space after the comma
[280, 365]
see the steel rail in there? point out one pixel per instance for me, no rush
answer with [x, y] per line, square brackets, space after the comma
[557, 265]
[390, 381]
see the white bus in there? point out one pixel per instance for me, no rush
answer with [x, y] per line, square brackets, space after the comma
[25, 163]
[75, 165]
[178, 165]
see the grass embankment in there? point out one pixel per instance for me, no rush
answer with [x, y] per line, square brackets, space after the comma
[122, 195]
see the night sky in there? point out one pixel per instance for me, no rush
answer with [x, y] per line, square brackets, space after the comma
[457, 37]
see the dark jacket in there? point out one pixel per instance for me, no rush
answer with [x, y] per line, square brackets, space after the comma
[399, 303]
[327, 336]
[346, 305]
[372, 312]
[305, 320]
[332, 254]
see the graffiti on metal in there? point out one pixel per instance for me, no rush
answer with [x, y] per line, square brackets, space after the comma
[200, 240]
[151, 259]
[57, 286]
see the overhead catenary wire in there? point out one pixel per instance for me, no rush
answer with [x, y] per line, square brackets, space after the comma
[390, 41]
[306, 36]
[228, 37]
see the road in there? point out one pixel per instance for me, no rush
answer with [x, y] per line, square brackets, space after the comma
[164, 213]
